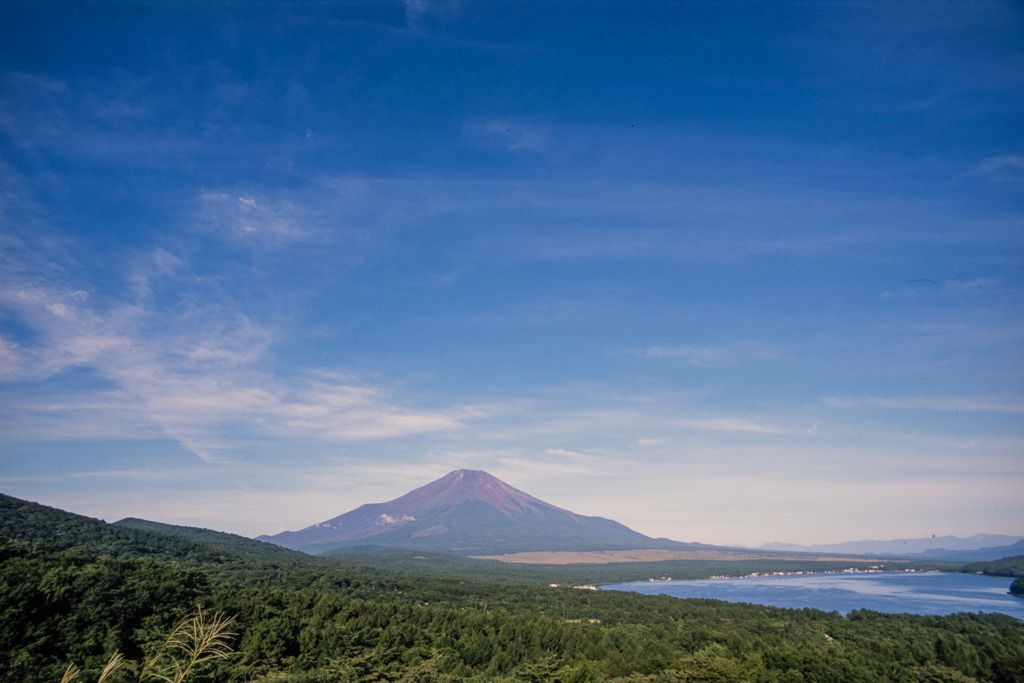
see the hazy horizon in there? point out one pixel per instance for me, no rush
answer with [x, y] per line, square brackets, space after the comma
[730, 273]
[974, 541]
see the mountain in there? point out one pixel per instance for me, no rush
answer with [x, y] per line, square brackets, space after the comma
[976, 555]
[468, 512]
[980, 547]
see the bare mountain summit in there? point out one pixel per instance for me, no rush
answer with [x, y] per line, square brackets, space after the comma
[467, 512]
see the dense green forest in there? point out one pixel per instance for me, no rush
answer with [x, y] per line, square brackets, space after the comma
[78, 590]
[438, 565]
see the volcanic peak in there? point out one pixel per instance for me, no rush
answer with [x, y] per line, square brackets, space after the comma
[461, 486]
[467, 512]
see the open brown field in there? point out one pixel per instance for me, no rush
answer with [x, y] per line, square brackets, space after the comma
[610, 556]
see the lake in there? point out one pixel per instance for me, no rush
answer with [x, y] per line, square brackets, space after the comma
[892, 592]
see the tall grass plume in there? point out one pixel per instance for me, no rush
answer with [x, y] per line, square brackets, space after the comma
[195, 639]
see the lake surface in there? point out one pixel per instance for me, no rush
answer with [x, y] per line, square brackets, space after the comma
[892, 592]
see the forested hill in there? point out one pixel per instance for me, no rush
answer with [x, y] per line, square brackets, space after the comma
[1008, 566]
[27, 521]
[190, 546]
[225, 559]
[239, 545]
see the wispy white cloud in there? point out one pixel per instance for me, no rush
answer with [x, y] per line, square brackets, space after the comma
[569, 455]
[93, 118]
[956, 404]
[713, 355]
[530, 469]
[416, 11]
[60, 317]
[596, 462]
[657, 425]
[689, 353]
[150, 266]
[1004, 167]
[112, 414]
[119, 476]
[199, 409]
[246, 219]
[198, 374]
[731, 424]
[28, 92]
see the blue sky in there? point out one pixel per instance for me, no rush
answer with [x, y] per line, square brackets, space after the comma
[724, 272]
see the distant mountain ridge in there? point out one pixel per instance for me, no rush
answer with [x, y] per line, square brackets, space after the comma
[980, 547]
[979, 555]
[467, 512]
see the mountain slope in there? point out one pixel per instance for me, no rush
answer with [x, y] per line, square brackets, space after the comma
[241, 546]
[24, 520]
[979, 555]
[980, 547]
[467, 512]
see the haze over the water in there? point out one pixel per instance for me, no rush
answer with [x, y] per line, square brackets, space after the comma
[723, 272]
